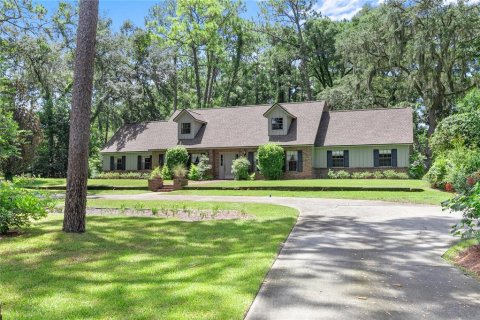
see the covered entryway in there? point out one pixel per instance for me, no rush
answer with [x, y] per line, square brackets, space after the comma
[225, 167]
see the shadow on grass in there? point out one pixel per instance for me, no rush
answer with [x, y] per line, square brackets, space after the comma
[135, 267]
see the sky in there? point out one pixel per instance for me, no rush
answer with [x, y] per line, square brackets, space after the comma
[136, 10]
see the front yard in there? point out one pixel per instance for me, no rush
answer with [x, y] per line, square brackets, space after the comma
[141, 267]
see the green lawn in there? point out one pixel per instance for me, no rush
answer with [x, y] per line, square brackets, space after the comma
[325, 183]
[141, 267]
[427, 196]
[44, 182]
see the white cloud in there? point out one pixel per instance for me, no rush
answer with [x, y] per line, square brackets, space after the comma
[343, 9]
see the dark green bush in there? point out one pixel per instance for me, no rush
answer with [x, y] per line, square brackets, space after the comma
[416, 169]
[166, 173]
[240, 168]
[193, 173]
[468, 203]
[176, 156]
[271, 159]
[18, 207]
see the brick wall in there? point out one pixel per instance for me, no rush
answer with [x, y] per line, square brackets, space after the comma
[307, 172]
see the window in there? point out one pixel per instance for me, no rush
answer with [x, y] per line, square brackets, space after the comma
[338, 159]
[385, 158]
[196, 157]
[277, 123]
[186, 128]
[148, 163]
[292, 160]
[255, 159]
[119, 164]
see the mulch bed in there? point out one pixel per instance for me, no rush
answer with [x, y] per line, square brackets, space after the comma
[180, 214]
[470, 259]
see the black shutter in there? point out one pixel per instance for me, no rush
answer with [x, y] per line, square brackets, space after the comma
[329, 159]
[189, 161]
[376, 158]
[346, 160]
[394, 158]
[300, 161]
[161, 160]
[139, 163]
[112, 163]
[284, 168]
[124, 162]
[252, 161]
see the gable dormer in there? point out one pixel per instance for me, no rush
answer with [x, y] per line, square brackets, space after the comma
[279, 120]
[189, 122]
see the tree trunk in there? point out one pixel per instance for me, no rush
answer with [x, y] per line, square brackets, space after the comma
[76, 197]
[175, 83]
[197, 76]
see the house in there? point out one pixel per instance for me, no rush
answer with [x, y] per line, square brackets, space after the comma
[314, 138]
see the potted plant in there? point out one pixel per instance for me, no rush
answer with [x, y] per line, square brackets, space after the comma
[179, 176]
[155, 182]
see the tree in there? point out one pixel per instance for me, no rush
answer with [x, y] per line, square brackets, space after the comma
[76, 197]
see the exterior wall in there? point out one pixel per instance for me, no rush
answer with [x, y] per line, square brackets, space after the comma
[361, 156]
[307, 172]
[195, 126]
[278, 113]
[131, 159]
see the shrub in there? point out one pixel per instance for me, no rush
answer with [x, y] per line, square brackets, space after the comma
[469, 204]
[390, 174]
[416, 169]
[204, 167]
[156, 173]
[193, 173]
[438, 171]
[179, 171]
[18, 207]
[402, 175]
[331, 174]
[271, 160]
[367, 175]
[342, 174]
[357, 175]
[123, 175]
[176, 156]
[240, 168]
[378, 175]
[166, 173]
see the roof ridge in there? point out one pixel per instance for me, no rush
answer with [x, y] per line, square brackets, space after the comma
[372, 109]
[256, 105]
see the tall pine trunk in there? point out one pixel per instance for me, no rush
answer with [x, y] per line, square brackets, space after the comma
[77, 174]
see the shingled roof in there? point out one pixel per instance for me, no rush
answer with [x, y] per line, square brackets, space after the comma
[247, 127]
[366, 127]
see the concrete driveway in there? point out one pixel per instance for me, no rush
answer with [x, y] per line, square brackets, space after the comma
[352, 259]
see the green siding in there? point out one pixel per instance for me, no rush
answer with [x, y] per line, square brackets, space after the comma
[361, 156]
[132, 159]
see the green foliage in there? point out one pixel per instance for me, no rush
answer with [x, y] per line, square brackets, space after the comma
[240, 168]
[179, 171]
[458, 128]
[9, 135]
[416, 168]
[18, 207]
[177, 155]
[166, 173]
[437, 173]
[122, 175]
[271, 160]
[469, 103]
[193, 173]
[468, 203]
[156, 173]
[203, 167]
[378, 175]
[362, 175]
[340, 174]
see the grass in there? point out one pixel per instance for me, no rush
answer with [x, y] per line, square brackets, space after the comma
[407, 183]
[427, 196]
[141, 267]
[51, 182]
[451, 254]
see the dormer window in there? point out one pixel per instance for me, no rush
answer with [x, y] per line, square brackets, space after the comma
[277, 123]
[186, 128]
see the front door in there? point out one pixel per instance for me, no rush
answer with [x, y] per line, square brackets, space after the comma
[225, 168]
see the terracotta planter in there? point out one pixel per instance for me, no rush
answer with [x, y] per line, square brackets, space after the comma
[178, 183]
[155, 184]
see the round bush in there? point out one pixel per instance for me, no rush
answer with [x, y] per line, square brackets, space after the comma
[240, 168]
[176, 156]
[166, 173]
[271, 159]
[193, 173]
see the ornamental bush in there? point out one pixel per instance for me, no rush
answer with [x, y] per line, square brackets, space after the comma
[240, 169]
[176, 156]
[18, 207]
[469, 204]
[193, 173]
[204, 167]
[271, 160]
[166, 173]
